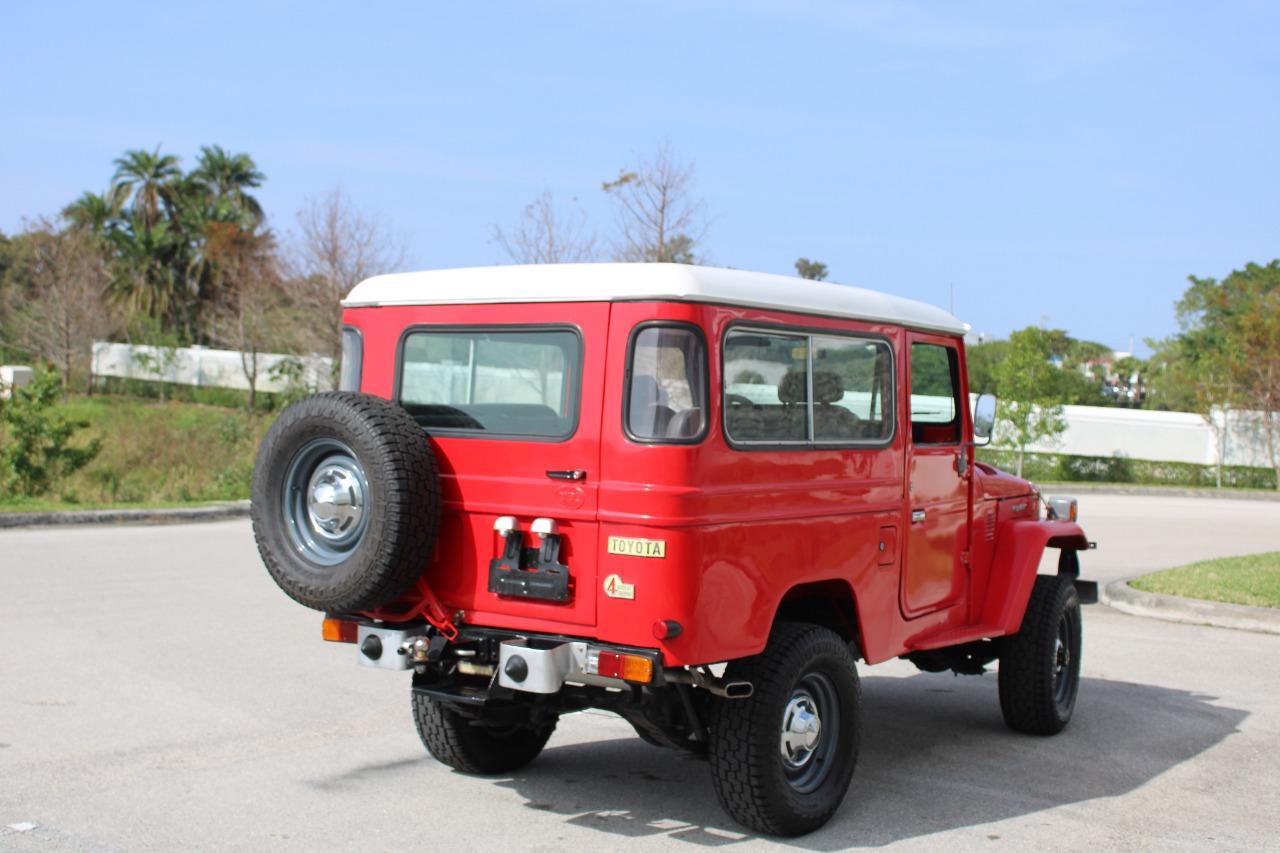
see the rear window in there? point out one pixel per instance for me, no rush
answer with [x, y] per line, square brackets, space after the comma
[493, 382]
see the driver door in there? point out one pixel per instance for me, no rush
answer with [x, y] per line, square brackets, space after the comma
[933, 575]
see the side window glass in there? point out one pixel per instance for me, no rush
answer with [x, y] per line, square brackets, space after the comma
[667, 396]
[852, 390]
[935, 394]
[766, 388]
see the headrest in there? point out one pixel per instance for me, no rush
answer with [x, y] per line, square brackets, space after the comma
[827, 387]
[792, 388]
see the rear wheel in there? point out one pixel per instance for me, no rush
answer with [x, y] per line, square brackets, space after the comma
[782, 760]
[470, 744]
[1040, 665]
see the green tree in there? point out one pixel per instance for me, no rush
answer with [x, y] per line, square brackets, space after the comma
[145, 276]
[226, 178]
[1229, 349]
[981, 360]
[36, 451]
[1030, 409]
[813, 270]
[95, 213]
[147, 177]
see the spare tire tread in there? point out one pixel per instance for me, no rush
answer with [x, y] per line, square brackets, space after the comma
[404, 511]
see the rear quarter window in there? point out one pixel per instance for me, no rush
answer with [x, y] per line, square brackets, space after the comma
[666, 395]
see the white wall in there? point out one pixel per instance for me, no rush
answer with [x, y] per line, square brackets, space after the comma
[1160, 436]
[202, 367]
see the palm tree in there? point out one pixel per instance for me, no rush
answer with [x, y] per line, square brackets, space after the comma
[227, 176]
[147, 176]
[93, 212]
[144, 274]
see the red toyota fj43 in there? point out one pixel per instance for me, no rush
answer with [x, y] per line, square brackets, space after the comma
[690, 496]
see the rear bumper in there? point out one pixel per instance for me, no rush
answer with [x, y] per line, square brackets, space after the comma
[539, 665]
[522, 662]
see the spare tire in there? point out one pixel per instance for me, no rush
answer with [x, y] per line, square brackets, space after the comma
[345, 501]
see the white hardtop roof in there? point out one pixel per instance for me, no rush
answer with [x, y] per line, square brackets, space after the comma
[645, 282]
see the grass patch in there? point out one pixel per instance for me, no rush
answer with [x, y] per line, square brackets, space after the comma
[1252, 580]
[156, 454]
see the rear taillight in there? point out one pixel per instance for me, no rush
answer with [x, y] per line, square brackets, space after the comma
[627, 667]
[340, 630]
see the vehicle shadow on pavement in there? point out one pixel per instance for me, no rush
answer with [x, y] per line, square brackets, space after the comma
[935, 756]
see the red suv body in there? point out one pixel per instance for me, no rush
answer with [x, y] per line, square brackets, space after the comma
[651, 470]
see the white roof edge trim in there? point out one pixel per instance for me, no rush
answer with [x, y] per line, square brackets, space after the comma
[615, 282]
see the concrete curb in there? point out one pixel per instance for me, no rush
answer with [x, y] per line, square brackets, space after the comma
[1157, 491]
[1192, 611]
[175, 515]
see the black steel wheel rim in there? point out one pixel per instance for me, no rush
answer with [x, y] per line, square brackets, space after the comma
[1064, 656]
[807, 762]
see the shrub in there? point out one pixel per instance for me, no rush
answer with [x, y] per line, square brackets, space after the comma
[36, 450]
[1060, 467]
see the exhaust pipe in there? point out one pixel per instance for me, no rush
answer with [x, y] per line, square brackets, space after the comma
[716, 686]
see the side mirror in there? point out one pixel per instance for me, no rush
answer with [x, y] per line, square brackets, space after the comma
[984, 418]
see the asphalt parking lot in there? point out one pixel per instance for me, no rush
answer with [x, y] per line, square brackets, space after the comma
[158, 693]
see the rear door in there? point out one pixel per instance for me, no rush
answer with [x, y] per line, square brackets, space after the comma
[511, 396]
[933, 575]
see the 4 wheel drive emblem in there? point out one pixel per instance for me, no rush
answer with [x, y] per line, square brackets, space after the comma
[629, 547]
[615, 588]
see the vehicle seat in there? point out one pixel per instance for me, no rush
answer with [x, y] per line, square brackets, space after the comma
[650, 416]
[685, 424]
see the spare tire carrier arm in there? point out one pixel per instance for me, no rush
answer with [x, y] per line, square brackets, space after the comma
[428, 608]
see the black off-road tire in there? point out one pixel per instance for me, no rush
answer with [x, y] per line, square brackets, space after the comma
[751, 777]
[401, 508]
[1038, 686]
[470, 745]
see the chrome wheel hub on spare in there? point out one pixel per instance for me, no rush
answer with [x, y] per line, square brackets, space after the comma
[326, 502]
[336, 501]
[801, 730]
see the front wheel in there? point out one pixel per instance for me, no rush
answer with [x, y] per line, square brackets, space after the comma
[782, 760]
[472, 746]
[1040, 665]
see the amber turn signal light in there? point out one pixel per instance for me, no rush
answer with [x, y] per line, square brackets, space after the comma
[339, 630]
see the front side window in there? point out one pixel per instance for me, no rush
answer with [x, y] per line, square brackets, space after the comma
[783, 388]
[935, 394]
[508, 383]
[667, 385]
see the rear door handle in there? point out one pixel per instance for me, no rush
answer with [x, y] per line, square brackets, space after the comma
[576, 474]
[917, 516]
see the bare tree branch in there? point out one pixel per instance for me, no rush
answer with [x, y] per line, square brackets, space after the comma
[545, 236]
[337, 247]
[66, 307]
[659, 218]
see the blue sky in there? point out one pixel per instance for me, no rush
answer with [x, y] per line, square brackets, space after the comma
[1067, 164]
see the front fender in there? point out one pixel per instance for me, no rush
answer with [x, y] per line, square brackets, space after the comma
[1019, 545]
